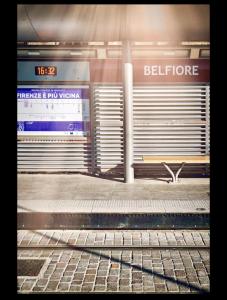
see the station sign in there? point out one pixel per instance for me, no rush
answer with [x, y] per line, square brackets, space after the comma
[152, 70]
[171, 70]
[53, 111]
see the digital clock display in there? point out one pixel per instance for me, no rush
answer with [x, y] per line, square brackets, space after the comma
[45, 70]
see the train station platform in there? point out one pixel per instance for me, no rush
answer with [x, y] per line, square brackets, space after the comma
[83, 195]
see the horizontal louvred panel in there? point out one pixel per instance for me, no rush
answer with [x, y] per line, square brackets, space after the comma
[169, 120]
[46, 156]
[109, 136]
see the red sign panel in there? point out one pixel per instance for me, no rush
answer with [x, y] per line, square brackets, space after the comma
[152, 70]
[171, 70]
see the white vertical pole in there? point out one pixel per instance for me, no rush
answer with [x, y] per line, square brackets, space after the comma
[128, 114]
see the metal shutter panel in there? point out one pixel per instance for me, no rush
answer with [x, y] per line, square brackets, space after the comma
[108, 113]
[170, 120]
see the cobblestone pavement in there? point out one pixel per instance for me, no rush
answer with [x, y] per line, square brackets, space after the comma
[116, 270]
[113, 237]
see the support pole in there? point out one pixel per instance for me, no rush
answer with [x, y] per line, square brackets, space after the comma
[128, 114]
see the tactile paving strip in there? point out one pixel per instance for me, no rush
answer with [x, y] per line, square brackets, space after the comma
[114, 206]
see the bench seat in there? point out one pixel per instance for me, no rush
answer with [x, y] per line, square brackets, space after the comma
[177, 159]
[182, 159]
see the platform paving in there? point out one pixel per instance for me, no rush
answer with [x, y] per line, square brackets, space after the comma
[87, 194]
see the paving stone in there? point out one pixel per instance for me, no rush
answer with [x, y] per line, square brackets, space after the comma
[114, 272]
[66, 279]
[199, 266]
[61, 265]
[55, 277]
[55, 272]
[85, 256]
[82, 264]
[125, 275]
[100, 280]
[75, 288]
[137, 274]
[184, 289]
[68, 273]
[103, 264]
[20, 281]
[179, 266]
[172, 287]
[112, 279]
[190, 271]
[127, 266]
[180, 273]
[52, 285]
[169, 272]
[124, 288]
[38, 289]
[77, 282]
[89, 278]
[70, 268]
[137, 286]
[124, 281]
[27, 286]
[102, 272]
[177, 261]
[201, 273]
[158, 270]
[112, 287]
[80, 270]
[187, 264]
[115, 266]
[158, 279]
[87, 288]
[100, 288]
[196, 259]
[93, 260]
[93, 266]
[41, 282]
[160, 287]
[192, 278]
[63, 286]
[204, 280]
[148, 280]
[205, 286]
[91, 271]
[78, 276]
[149, 288]
[139, 280]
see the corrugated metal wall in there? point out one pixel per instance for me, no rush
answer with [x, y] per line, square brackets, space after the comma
[168, 120]
[109, 135]
[53, 156]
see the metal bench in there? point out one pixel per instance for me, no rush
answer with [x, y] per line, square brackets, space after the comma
[202, 159]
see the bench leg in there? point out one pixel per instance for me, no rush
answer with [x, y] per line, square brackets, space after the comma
[170, 171]
[178, 172]
[174, 177]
